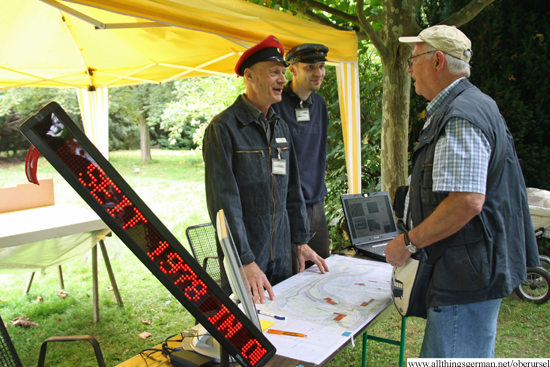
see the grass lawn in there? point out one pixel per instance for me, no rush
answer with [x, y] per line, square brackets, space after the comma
[173, 186]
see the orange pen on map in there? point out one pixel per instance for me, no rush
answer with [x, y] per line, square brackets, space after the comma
[280, 332]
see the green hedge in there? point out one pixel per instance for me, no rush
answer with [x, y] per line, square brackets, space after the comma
[510, 63]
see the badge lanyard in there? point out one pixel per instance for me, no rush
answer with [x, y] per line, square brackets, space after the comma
[302, 114]
[278, 165]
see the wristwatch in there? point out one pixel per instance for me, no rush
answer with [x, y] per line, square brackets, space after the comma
[410, 247]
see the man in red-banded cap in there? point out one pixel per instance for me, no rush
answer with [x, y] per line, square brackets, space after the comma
[251, 173]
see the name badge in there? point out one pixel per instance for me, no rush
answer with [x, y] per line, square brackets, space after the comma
[302, 114]
[278, 166]
[280, 140]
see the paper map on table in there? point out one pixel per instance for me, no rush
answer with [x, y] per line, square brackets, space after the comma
[342, 298]
[326, 306]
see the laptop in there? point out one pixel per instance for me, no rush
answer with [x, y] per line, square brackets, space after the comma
[371, 222]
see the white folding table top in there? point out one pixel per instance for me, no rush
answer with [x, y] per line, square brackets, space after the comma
[37, 224]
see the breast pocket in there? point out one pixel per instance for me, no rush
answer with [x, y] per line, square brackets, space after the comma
[430, 199]
[251, 169]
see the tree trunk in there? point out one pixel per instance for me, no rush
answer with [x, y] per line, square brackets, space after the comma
[144, 138]
[395, 124]
[396, 97]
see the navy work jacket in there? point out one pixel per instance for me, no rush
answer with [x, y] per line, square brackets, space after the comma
[266, 212]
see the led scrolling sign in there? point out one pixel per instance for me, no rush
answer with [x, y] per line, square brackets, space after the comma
[63, 144]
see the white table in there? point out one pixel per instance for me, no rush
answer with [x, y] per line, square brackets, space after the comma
[298, 294]
[33, 239]
[330, 308]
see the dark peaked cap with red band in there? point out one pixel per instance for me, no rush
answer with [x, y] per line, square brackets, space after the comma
[268, 50]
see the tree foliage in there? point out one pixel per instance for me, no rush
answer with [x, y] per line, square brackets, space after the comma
[172, 115]
[371, 117]
[510, 60]
[18, 104]
[511, 63]
[196, 102]
[134, 109]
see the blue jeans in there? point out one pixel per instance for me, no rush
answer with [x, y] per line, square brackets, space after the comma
[461, 331]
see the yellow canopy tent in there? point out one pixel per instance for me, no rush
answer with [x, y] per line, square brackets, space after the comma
[95, 44]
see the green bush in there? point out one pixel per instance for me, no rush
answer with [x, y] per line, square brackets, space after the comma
[196, 101]
[123, 134]
[164, 142]
[511, 59]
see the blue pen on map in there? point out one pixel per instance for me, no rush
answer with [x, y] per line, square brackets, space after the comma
[260, 312]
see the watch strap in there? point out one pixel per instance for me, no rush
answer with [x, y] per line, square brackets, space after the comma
[408, 245]
[407, 239]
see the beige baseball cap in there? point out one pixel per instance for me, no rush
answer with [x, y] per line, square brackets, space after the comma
[448, 39]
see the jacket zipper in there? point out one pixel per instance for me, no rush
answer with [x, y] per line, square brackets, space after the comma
[272, 189]
[251, 151]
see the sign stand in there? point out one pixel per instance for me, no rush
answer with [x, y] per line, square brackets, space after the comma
[70, 152]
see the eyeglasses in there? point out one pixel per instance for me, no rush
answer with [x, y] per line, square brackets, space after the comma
[410, 59]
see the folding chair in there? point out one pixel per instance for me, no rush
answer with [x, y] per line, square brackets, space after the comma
[9, 357]
[202, 238]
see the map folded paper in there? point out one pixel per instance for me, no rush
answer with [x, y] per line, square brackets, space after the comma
[326, 306]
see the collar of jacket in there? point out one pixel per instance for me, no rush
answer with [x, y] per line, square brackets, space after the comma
[245, 116]
[294, 97]
[242, 112]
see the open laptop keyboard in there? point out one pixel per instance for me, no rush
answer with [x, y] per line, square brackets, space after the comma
[376, 249]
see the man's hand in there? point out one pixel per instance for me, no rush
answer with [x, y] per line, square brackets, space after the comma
[258, 282]
[306, 253]
[396, 251]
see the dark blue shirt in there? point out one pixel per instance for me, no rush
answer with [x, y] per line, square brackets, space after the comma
[309, 139]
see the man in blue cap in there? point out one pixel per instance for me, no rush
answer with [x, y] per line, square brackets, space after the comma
[251, 173]
[306, 114]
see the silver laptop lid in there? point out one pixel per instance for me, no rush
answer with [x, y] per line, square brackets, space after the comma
[370, 217]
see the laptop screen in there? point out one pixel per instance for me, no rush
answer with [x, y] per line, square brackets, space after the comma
[370, 218]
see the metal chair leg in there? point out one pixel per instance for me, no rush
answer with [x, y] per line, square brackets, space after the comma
[60, 277]
[92, 340]
[29, 283]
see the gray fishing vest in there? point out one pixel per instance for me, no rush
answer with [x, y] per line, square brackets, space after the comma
[487, 258]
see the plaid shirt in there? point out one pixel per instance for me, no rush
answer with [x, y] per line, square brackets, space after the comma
[461, 155]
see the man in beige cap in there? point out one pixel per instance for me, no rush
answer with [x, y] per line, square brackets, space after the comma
[251, 172]
[466, 192]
